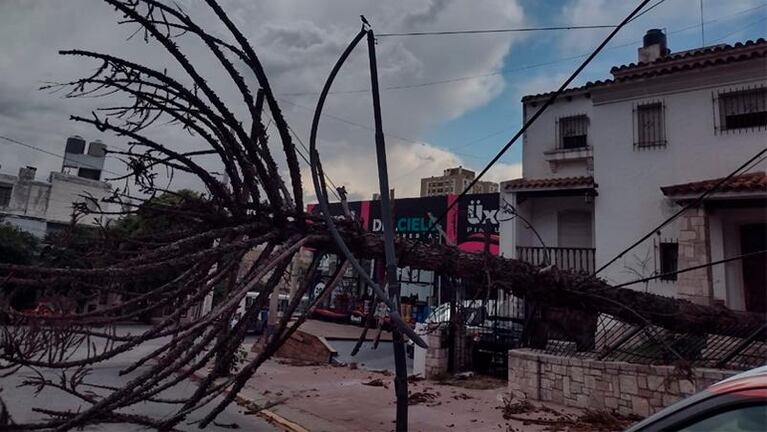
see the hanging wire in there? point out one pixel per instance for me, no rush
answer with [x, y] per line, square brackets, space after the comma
[321, 191]
[553, 97]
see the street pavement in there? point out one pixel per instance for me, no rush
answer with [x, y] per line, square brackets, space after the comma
[20, 402]
[326, 398]
[381, 358]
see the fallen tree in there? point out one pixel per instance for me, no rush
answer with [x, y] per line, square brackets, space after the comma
[551, 286]
[254, 209]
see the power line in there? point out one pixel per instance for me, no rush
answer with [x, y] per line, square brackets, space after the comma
[702, 27]
[741, 29]
[398, 137]
[503, 30]
[349, 122]
[516, 30]
[30, 146]
[306, 159]
[523, 67]
[689, 205]
[688, 269]
[537, 114]
[653, 6]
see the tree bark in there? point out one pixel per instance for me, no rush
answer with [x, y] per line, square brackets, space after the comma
[561, 288]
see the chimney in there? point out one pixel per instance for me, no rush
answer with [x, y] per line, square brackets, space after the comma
[654, 46]
[27, 173]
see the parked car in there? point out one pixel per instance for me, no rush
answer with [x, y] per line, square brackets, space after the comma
[41, 310]
[492, 325]
[737, 404]
[257, 325]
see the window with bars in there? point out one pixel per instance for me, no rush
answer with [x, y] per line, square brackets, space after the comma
[669, 257]
[5, 195]
[743, 109]
[650, 125]
[573, 132]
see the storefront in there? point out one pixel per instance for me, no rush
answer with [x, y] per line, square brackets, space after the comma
[471, 225]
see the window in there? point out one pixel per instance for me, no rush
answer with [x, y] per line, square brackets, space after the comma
[88, 173]
[743, 418]
[669, 254]
[650, 125]
[743, 109]
[573, 132]
[5, 195]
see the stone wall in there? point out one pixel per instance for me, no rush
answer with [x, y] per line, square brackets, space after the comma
[694, 250]
[437, 353]
[616, 386]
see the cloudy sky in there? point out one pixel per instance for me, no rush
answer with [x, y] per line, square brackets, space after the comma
[447, 100]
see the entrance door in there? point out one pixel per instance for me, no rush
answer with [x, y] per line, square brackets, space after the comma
[753, 238]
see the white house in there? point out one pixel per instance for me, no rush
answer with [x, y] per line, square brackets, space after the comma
[40, 207]
[610, 160]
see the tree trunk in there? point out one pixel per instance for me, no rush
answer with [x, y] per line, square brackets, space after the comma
[560, 288]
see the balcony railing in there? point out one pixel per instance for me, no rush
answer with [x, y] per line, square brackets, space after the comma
[576, 259]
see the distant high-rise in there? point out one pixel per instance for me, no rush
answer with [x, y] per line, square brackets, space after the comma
[454, 181]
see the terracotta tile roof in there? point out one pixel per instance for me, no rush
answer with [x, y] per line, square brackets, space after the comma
[550, 183]
[750, 182]
[568, 92]
[693, 59]
[675, 62]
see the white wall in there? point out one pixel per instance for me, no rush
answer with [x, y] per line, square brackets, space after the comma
[29, 197]
[545, 212]
[507, 224]
[67, 189]
[539, 138]
[542, 135]
[630, 202]
[543, 215]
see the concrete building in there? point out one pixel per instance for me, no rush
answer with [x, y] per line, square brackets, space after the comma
[610, 160]
[454, 181]
[40, 206]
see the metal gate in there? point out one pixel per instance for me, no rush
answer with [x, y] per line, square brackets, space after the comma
[483, 326]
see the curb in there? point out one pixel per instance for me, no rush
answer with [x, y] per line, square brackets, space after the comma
[270, 416]
[281, 422]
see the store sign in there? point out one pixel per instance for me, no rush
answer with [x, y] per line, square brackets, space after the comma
[478, 215]
[411, 216]
[465, 225]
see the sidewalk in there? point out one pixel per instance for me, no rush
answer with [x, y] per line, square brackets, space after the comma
[330, 330]
[328, 398]
[321, 398]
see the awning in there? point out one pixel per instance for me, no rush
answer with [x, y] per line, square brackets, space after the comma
[743, 185]
[549, 184]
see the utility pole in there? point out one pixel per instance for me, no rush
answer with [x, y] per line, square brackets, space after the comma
[400, 365]
[702, 27]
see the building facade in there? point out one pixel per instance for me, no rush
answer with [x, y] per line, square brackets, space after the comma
[609, 161]
[39, 207]
[454, 181]
[471, 224]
